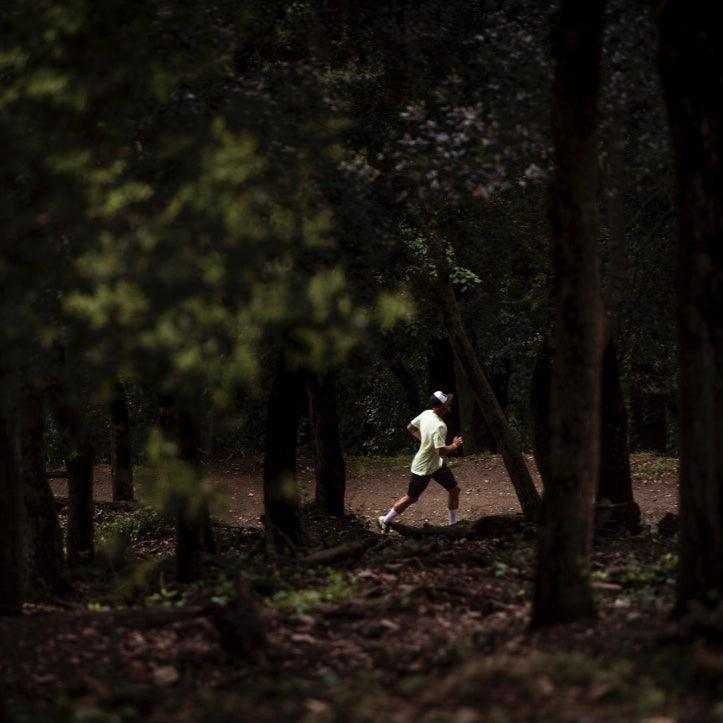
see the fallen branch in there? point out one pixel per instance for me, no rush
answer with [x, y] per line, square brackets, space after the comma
[340, 552]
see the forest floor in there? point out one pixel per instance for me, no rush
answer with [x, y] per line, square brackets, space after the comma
[428, 629]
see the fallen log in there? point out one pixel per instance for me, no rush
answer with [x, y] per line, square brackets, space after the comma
[340, 552]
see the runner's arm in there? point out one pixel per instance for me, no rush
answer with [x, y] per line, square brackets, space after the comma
[449, 448]
[414, 431]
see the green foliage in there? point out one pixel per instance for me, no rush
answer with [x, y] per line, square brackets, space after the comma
[172, 484]
[338, 588]
[145, 522]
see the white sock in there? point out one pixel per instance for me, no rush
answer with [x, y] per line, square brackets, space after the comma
[453, 517]
[390, 516]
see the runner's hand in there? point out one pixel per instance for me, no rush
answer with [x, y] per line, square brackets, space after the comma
[457, 442]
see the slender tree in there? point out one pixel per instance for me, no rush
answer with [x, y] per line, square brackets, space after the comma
[562, 589]
[691, 65]
[281, 501]
[80, 453]
[10, 518]
[330, 469]
[121, 457]
[43, 537]
[194, 533]
[505, 437]
[615, 486]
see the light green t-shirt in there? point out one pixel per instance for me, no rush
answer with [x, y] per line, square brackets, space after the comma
[433, 435]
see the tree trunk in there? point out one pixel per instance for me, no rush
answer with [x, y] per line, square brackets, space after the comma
[617, 507]
[691, 63]
[330, 468]
[43, 538]
[615, 486]
[79, 454]
[281, 502]
[121, 457]
[562, 589]
[80, 536]
[11, 520]
[504, 436]
[194, 532]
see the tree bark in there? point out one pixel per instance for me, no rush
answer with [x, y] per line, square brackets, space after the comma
[691, 64]
[615, 490]
[615, 486]
[121, 456]
[494, 416]
[80, 536]
[194, 532]
[43, 538]
[562, 586]
[80, 459]
[281, 501]
[10, 521]
[329, 468]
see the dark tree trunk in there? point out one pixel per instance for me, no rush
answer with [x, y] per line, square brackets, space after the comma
[691, 63]
[281, 500]
[330, 468]
[43, 538]
[80, 538]
[121, 457]
[616, 505]
[11, 519]
[494, 416]
[194, 532]
[562, 589]
[79, 454]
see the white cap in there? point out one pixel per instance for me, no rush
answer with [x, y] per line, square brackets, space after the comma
[442, 397]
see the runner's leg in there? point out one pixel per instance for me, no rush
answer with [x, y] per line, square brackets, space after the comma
[417, 485]
[445, 477]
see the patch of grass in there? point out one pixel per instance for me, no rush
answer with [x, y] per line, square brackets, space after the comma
[648, 465]
[338, 588]
[133, 526]
[639, 574]
[365, 465]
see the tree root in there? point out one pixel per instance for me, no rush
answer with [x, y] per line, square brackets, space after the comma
[341, 552]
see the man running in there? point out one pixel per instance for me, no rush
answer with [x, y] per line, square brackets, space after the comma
[431, 431]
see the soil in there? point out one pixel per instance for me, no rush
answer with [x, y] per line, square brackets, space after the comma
[375, 483]
[431, 629]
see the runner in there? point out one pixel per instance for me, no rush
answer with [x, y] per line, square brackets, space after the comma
[429, 463]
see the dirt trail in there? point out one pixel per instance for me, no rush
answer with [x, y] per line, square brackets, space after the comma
[374, 483]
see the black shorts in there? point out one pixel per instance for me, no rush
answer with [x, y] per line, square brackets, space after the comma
[418, 482]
